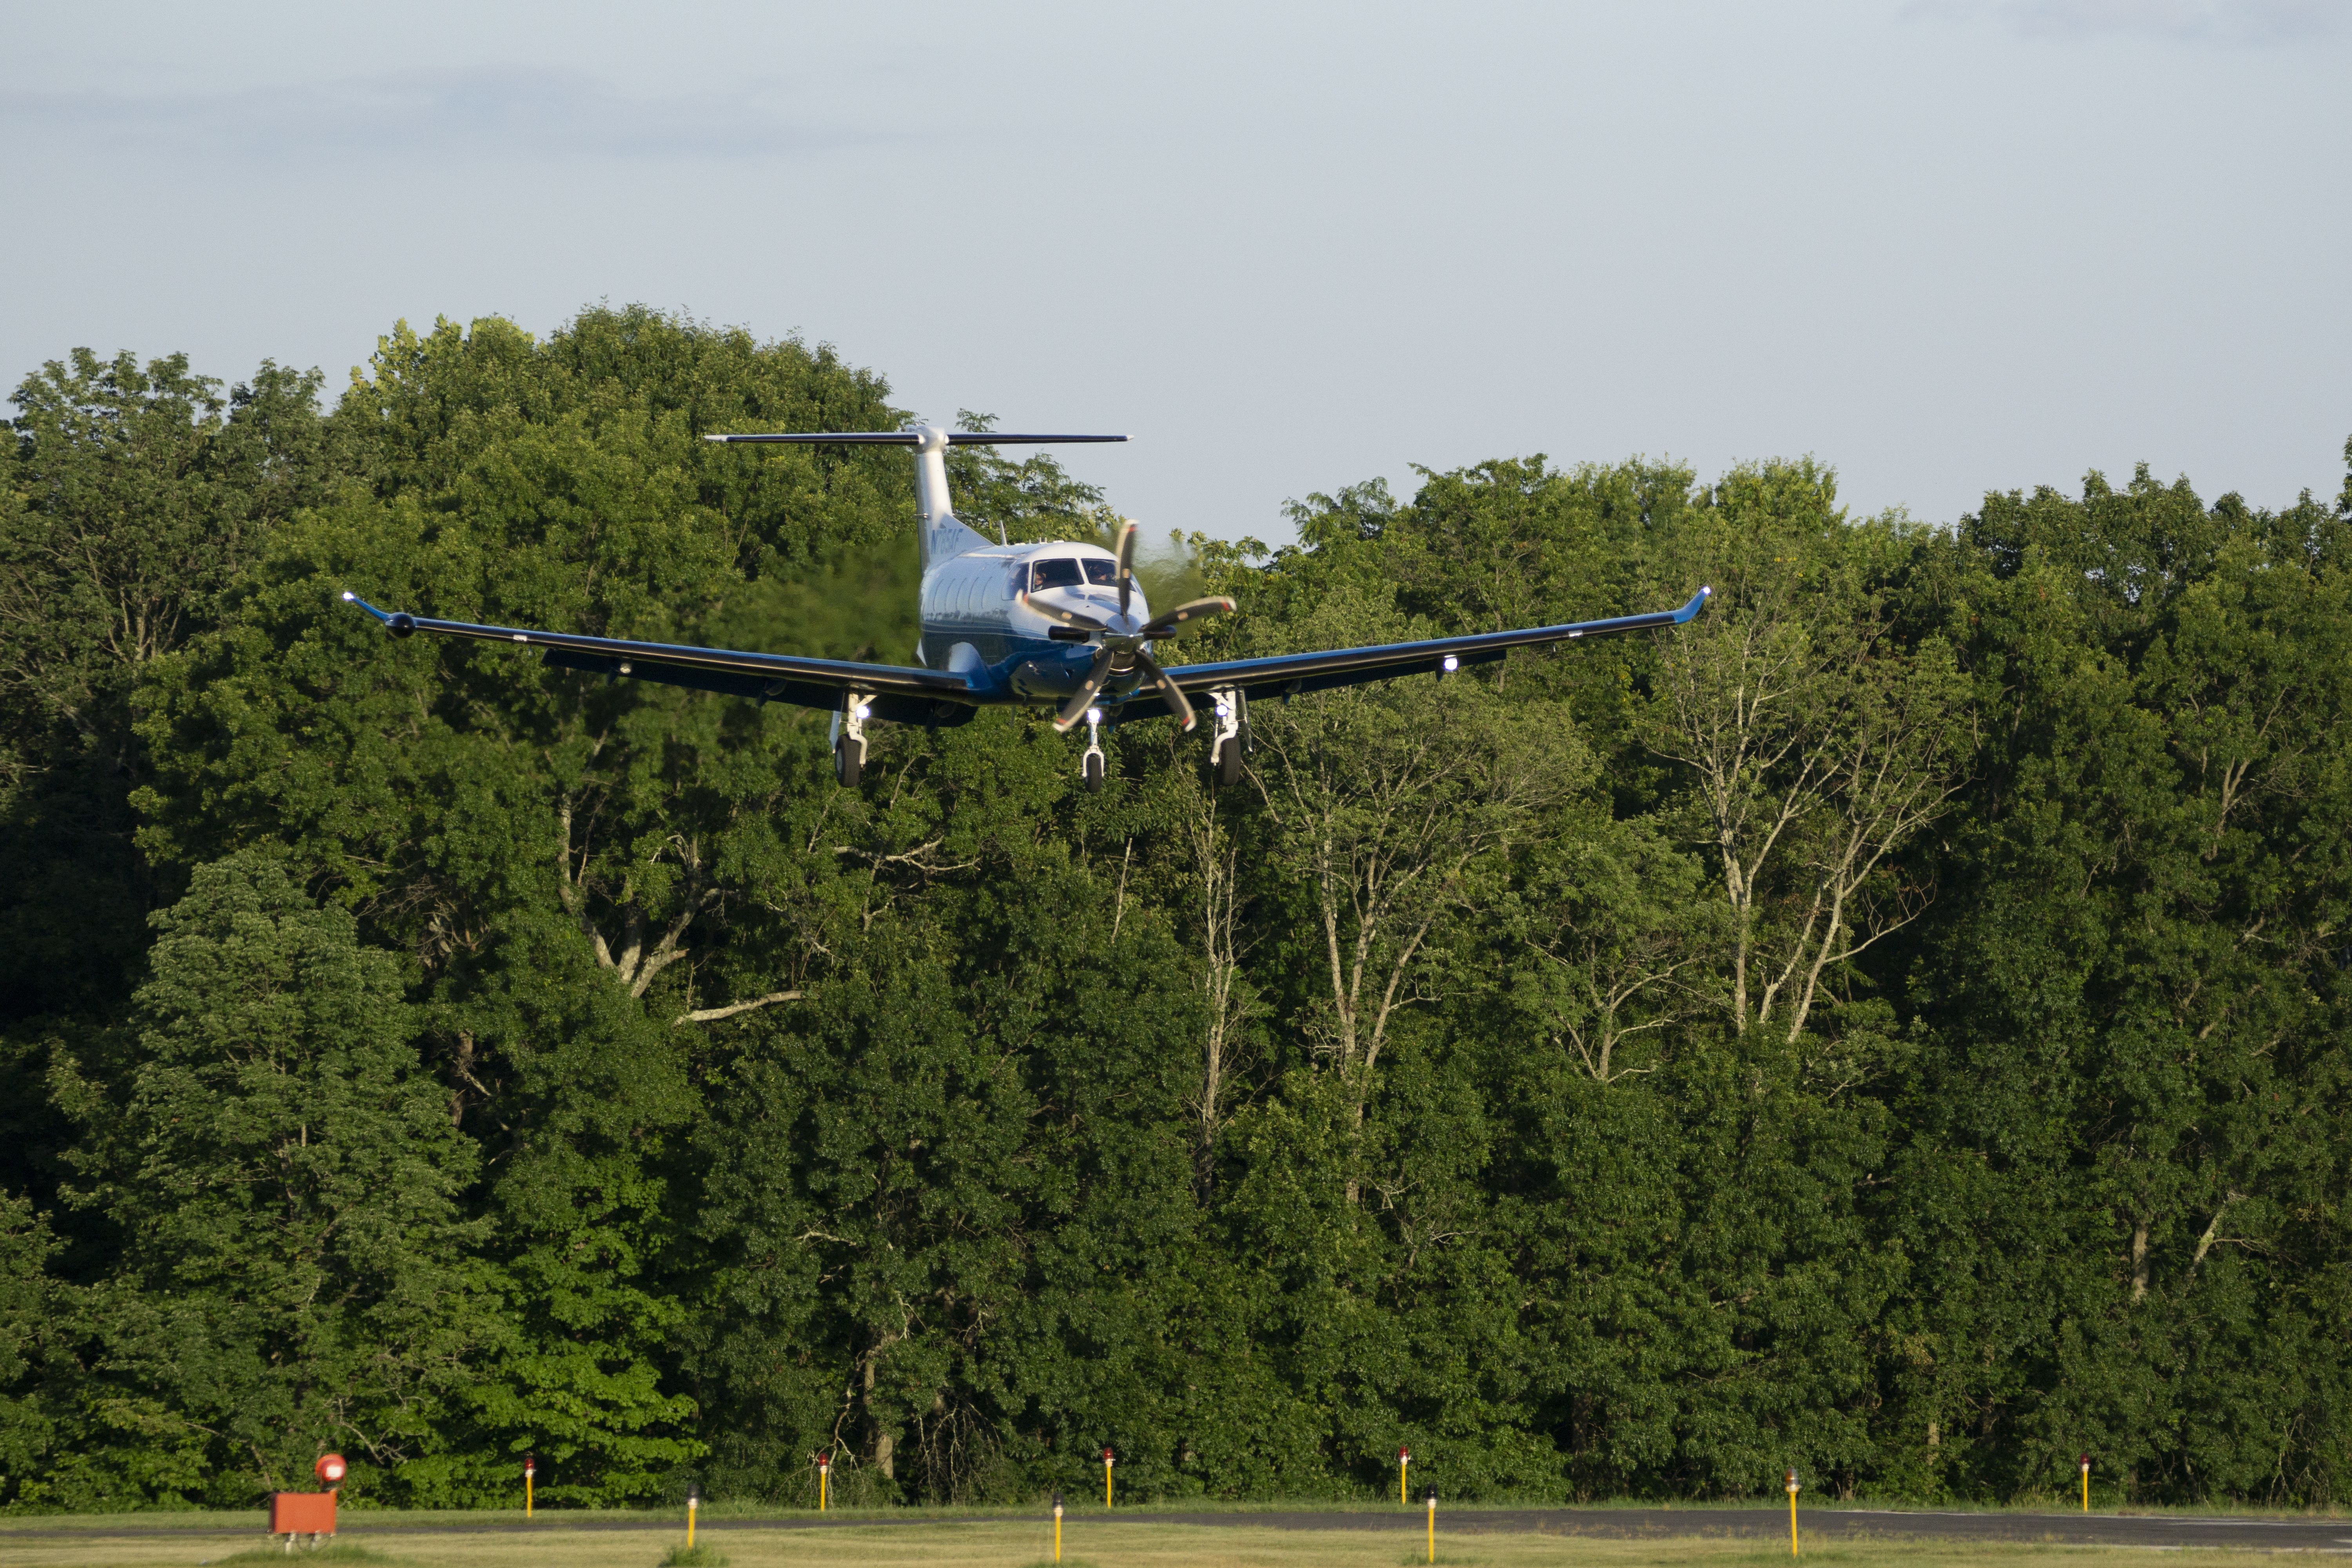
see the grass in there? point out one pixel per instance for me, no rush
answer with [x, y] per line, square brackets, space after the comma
[997, 1544]
[363, 1520]
[697, 1556]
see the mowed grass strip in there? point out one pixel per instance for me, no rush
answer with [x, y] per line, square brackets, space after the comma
[1008, 1544]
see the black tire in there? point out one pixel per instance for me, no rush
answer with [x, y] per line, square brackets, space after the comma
[1229, 762]
[848, 762]
[1092, 769]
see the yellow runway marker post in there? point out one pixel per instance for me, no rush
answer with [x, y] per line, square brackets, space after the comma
[1107, 1478]
[530, 1468]
[823, 1475]
[1057, 1527]
[1433, 1524]
[693, 1501]
[1404, 1458]
[1792, 1513]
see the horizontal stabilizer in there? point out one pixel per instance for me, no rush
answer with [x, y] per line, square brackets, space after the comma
[915, 439]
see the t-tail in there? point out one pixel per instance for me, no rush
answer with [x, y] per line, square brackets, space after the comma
[940, 533]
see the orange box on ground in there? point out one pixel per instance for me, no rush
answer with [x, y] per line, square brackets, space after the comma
[301, 1513]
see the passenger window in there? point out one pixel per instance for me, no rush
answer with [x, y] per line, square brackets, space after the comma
[1060, 573]
[1102, 571]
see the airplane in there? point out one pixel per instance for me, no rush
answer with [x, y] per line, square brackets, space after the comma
[1061, 624]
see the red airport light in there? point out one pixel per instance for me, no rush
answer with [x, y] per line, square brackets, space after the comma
[331, 1468]
[529, 1466]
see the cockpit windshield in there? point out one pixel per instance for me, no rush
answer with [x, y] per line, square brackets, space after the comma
[1102, 571]
[1057, 574]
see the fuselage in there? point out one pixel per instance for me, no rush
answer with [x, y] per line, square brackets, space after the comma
[975, 625]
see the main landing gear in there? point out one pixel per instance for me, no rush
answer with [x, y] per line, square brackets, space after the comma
[1230, 738]
[849, 739]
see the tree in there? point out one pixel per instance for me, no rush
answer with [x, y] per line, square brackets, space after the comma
[133, 499]
[293, 1275]
[1816, 743]
[1389, 802]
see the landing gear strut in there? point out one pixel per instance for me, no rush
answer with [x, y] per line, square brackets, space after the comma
[1090, 766]
[1230, 738]
[849, 737]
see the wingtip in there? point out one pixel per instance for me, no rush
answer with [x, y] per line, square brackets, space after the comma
[352, 598]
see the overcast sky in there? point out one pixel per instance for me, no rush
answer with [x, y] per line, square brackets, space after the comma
[1944, 246]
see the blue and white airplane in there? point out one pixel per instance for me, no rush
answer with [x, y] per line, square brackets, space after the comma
[1062, 625]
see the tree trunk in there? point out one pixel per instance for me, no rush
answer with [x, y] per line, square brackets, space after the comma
[885, 1450]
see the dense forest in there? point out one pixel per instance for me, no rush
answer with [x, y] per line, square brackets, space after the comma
[1895, 1027]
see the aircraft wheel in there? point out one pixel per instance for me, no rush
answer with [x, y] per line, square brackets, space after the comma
[848, 761]
[1228, 763]
[1094, 773]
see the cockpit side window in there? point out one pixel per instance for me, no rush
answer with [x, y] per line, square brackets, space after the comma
[1057, 574]
[1102, 571]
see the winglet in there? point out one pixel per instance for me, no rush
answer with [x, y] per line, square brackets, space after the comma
[399, 623]
[1685, 616]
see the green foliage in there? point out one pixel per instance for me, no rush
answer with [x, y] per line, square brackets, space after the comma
[293, 1272]
[1892, 1027]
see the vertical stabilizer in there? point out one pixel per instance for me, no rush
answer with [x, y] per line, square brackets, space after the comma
[937, 528]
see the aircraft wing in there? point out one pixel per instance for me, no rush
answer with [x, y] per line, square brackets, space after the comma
[903, 695]
[1288, 673]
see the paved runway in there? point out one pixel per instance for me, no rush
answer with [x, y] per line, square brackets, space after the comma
[2278, 1534]
[1640, 1523]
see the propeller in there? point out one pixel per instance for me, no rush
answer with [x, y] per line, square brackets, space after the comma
[1123, 640]
[1126, 573]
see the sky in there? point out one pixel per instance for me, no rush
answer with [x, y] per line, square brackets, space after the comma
[1943, 246]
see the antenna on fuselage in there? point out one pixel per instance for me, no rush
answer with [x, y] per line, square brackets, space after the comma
[940, 528]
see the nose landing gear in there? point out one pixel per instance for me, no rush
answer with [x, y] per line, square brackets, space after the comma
[1090, 766]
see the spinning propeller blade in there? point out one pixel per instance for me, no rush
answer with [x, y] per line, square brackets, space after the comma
[1169, 620]
[1127, 532]
[1169, 691]
[1067, 617]
[1084, 697]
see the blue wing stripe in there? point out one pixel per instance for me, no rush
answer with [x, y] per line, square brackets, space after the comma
[650, 659]
[1345, 667]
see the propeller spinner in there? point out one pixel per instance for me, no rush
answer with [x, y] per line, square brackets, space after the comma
[1123, 640]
